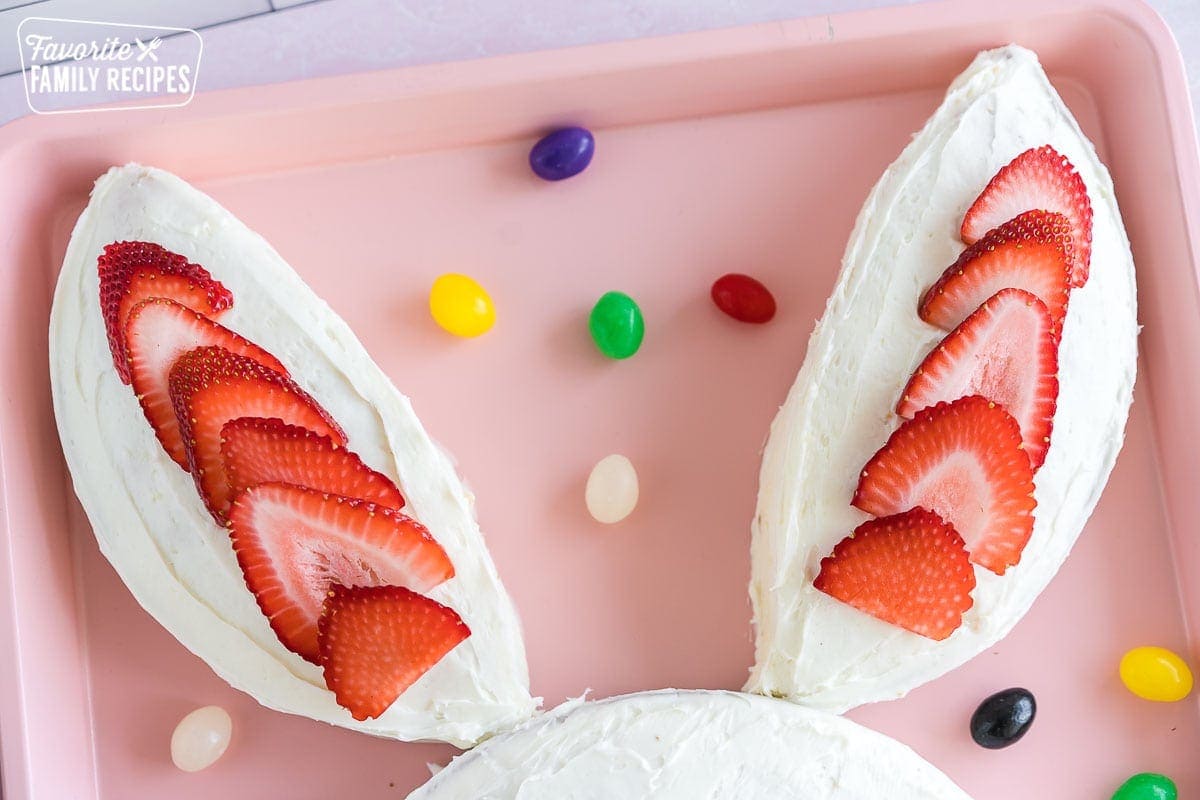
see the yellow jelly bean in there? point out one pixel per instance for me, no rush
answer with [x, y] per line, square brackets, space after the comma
[1156, 673]
[461, 306]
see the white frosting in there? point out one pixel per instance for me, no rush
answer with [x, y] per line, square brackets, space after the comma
[810, 647]
[692, 745]
[153, 528]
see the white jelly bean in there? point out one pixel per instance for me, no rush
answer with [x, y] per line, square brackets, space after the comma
[612, 489]
[200, 738]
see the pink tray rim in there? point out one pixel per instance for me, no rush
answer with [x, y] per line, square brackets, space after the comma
[17, 763]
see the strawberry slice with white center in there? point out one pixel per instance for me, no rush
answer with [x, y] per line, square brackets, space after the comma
[293, 543]
[1007, 352]
[210, 386]
[130, 272]
[963, 461]
[1030, 252]
[1040, 178]
[376, 641]
[258, 450]
[158, 332]
[910, 569]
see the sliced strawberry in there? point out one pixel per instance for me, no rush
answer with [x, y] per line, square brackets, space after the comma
[1039, 178]
[1031, 252]
[964, 461]
[910, 569]
[293, 542]
[157, 332]
[210, 386]
[259, 450]
[1007, 352]
[376, 641]
[132, 271]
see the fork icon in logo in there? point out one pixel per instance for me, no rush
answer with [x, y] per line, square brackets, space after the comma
[145, 49]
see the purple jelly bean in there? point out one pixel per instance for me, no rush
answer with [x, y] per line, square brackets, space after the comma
[563, 153]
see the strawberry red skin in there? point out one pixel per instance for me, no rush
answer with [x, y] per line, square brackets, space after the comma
[133, 271]
[377, 641]
[964, 461]
[1007, 352]
[157, 332]
[210, 386]
[1031, 252]
[292, 543]
[257, 450]
[910, 569]
[1039, 178]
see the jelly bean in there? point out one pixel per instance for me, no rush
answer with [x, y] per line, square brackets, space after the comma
[1003, 718]
[1156, 673]
[461, 306]
[617, 326]
[563, 153]
[612, 489]
[743, 298]
[1147, 786]
[201, 738]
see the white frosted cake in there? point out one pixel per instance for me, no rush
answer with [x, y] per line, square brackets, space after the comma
[1003, 128]
[684, 745]
[155, 529]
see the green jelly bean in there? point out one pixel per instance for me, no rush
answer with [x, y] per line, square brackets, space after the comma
[617, 326]
[1147, 786]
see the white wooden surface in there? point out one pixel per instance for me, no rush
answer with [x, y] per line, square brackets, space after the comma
[277, 40]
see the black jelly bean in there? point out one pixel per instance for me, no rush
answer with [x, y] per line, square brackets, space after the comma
[1003, 718]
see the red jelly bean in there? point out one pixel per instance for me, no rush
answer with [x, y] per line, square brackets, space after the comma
[743, 298]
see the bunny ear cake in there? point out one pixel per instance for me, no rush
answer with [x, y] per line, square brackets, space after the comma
[683, 745]
[259, 484]
[961, 405]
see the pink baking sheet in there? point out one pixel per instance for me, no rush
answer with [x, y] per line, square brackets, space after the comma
[747, 150]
